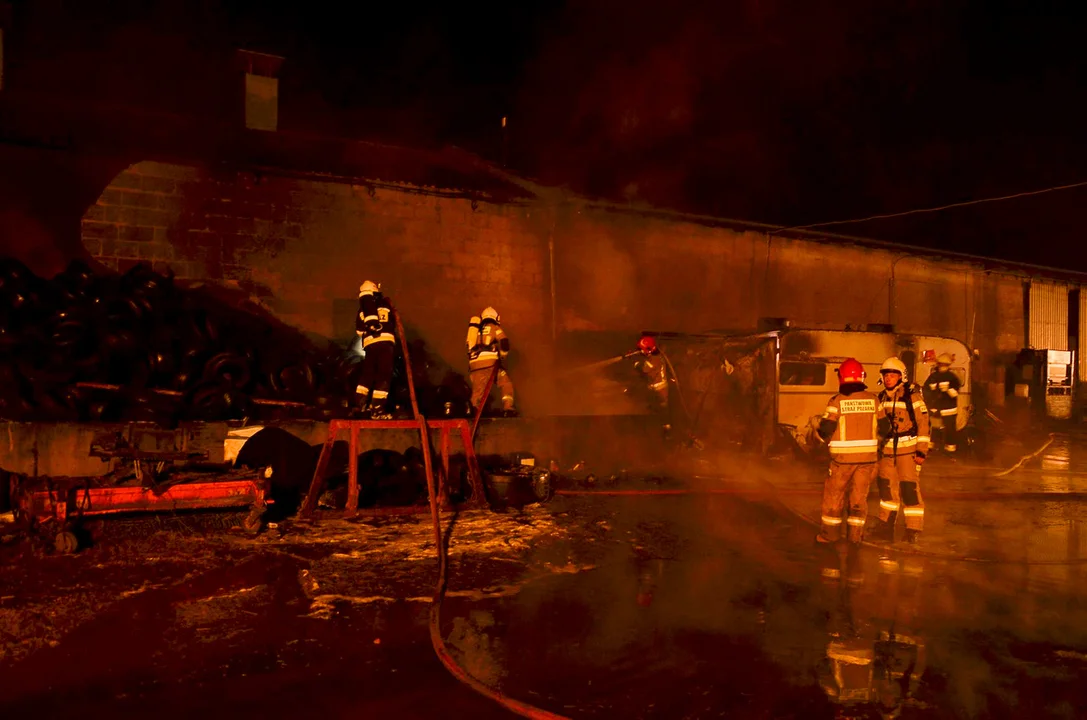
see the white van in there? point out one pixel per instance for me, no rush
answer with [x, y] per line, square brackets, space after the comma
[807, 359]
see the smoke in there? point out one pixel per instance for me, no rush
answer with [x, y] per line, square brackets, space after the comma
[796, 113]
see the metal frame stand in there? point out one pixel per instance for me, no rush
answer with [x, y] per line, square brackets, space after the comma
[335, 427]
[352, 427]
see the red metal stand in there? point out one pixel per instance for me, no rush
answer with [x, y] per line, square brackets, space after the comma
[352, 427]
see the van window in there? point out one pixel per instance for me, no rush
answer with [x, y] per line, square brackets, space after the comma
[803, 373]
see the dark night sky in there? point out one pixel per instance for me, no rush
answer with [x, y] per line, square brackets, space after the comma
[779, 112]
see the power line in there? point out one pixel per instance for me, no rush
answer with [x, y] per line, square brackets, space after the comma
[919, 211]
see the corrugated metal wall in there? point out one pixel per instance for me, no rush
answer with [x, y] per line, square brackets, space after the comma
[1082, 360]
[1048, 316]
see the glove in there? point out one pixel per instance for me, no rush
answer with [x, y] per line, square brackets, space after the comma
[473, 353]
[919, 458]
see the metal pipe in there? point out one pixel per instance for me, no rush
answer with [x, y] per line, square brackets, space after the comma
[551, 280]
[892, 305]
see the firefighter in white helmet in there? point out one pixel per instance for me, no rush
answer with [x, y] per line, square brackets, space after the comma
[902, 453]
[942, 389]
[374, 324]
[488, 347]
[851, 426]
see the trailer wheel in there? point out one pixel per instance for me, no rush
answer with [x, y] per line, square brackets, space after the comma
[66, 542]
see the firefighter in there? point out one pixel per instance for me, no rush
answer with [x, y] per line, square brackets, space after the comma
[488, 347]
[650, 365]
[851, 426]
[899, 648]
[374, 325]
[872, 667]
[845, 673]
[903, 452]
[943, 389]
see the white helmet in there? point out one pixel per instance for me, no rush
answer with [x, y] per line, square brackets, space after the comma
[893, 364]
[369, 287]
[490, 314]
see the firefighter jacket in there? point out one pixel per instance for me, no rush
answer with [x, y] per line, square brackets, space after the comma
[852, 427]
[652, 368]
[943, 388]
[374, 320]
[907, 416]
[846, 675]
[487, 344]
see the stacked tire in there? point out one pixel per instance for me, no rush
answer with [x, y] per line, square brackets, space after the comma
[142, 332]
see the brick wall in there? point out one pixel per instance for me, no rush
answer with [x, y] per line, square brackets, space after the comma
[304, 247]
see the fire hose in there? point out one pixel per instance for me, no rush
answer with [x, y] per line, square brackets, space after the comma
[483, 402]
[440, 649]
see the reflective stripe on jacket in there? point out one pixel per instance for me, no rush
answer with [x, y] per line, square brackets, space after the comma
[911, 437]
[943, 389]
[854, 418]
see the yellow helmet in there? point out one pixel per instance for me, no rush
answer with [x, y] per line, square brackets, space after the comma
[893, 364]
[490, 314]
[369, 287]
[943, 359]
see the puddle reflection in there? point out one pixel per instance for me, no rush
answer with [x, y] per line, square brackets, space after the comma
[743, 616]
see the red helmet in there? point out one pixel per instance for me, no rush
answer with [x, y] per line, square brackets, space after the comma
[647, 344]
[851, 371]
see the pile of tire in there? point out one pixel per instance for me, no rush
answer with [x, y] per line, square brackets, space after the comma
[141, 332]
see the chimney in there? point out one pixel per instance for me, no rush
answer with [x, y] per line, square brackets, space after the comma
[261, 89]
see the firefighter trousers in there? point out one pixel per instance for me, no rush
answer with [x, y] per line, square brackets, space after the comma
[481, 376]
[376, 374]
[948, 427]
[854, 479]
[899, 484]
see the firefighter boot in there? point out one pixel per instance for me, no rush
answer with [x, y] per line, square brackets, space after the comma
[912, 536]
[361, 410]
[379, 412]
[884, 531]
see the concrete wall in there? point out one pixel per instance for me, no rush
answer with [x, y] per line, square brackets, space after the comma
[624, 271]
[305, 246]
[63, 449]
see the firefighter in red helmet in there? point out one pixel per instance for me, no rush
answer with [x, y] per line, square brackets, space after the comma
[851, 426]
[650, 365]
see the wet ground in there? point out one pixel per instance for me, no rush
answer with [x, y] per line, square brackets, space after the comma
[655, 606]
